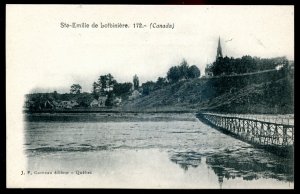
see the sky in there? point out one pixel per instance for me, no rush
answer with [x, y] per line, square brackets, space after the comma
[43, 57]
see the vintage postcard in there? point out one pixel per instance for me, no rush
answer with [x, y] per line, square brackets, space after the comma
[150, 96]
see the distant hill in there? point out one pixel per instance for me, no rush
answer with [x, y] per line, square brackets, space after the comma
[271, 92]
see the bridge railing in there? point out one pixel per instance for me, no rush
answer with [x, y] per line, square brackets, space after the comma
[254, 130]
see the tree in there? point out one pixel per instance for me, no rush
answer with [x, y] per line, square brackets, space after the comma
[122, 89]
[102, 83]
[110, 98]
[176, 73]
[148, 87]
[136, 82]
[183, 69]
[110, 82]
[84, 99]
[75, 89]
[173, 74]
[193, 72]
[95, 90]
[106, 83]
[161, 81]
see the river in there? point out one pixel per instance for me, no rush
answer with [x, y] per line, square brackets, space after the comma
[145, 150]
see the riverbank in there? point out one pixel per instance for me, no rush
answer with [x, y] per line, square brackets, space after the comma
[114, 110]
[109, 117]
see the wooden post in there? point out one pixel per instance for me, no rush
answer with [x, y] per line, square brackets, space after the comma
[284, 136]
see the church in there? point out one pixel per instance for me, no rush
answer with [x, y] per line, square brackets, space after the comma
[208, 72]
[219, 50]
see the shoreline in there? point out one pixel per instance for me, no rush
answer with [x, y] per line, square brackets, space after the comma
[113, 110]
[109, 111]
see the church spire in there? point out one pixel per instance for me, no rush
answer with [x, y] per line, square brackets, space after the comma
[219, 50]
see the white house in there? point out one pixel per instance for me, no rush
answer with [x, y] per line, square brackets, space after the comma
[94, 103]
[99, 103]
[208, 72]
[117, 101]
[135, 94]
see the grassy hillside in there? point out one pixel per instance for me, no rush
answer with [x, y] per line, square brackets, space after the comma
[271, 92]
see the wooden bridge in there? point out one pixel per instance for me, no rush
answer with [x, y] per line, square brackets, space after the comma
[275, 137]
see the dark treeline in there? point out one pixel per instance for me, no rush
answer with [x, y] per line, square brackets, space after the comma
[277, 89]
[225, 84]
[246, 64]
[274, 89]
[182, 71]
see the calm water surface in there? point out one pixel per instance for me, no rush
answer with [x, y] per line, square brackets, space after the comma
[147, 151]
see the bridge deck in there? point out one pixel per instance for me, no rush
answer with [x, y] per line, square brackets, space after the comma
[275, 135]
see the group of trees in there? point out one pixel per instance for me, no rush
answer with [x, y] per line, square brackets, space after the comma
[104, 85]
[246, 64]
[182, 71]
[149, 86]
[108, 86]
[174, 74]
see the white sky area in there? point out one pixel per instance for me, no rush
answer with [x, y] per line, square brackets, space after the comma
[45, 57]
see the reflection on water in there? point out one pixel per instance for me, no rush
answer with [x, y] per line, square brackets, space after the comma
[250, 166]
[186, 159]
[244, 163]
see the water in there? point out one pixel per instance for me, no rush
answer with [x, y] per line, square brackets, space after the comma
[145, 151]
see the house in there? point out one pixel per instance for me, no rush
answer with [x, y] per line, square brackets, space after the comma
[99, 103]
[208, 71]
[94, 103]
[135, 94]
[29, 104]
[57, 105]
[74, 103]
[117, 101]
[68, 104]
[280, 66]
[48, 104]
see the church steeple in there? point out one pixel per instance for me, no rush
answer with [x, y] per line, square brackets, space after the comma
[219, 49]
